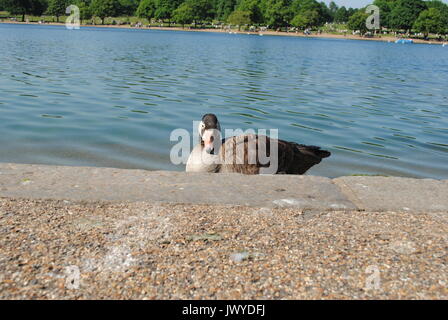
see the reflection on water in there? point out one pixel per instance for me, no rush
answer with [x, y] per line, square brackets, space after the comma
[110, 97]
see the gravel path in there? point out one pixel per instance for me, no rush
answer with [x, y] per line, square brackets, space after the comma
[146, 251]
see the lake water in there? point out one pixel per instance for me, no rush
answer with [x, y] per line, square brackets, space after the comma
[111, 97]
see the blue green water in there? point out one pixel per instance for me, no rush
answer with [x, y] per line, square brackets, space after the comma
[111, 97]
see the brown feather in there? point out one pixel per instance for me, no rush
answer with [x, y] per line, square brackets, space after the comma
[241, 154]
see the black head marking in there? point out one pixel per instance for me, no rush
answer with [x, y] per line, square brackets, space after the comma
[210, 121]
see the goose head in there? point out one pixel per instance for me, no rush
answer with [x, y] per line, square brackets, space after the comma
[210, 133]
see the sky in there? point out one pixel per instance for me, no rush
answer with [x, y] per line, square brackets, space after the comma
[355, 3]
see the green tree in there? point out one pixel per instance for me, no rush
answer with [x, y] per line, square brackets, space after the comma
[38, 7]
[202, 9]
[386, 7]
[147, 9]
[333, 7]
[223, 8]
[183, 14]
[165, 8]
[341, 15]
[324, 13]
[442, 7]
[351, 11]
[57, 8]
[239, 18]
[430, 21]
[278, 13]
[24, 7]
[254, 7]
[84, 9]
[358, 22]
[404, 13]
[438, 4]
[105, 8]
[303, 7]
[306, 19]
[158, 9]
[127, 7]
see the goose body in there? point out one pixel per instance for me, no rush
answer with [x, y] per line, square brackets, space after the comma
[248, 153]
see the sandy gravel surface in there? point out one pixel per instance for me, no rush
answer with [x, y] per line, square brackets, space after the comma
[142, 251]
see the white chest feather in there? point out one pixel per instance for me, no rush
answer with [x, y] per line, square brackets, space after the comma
[201, 161]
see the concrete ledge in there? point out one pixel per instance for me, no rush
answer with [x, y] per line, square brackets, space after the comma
[395, 194]
[303, 192]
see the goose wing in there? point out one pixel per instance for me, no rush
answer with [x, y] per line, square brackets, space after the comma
[249, 153]
[239, 154]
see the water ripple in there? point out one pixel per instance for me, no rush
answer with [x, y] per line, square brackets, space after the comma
[111, 97]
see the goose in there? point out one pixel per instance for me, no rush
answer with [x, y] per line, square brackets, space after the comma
[215, 155]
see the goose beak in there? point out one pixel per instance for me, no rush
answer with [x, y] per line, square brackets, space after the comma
[209, 138]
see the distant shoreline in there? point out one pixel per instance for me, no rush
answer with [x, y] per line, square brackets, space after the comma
[267, 33]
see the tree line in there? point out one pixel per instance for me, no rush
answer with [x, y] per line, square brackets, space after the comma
[397, 15]
[407, 15]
